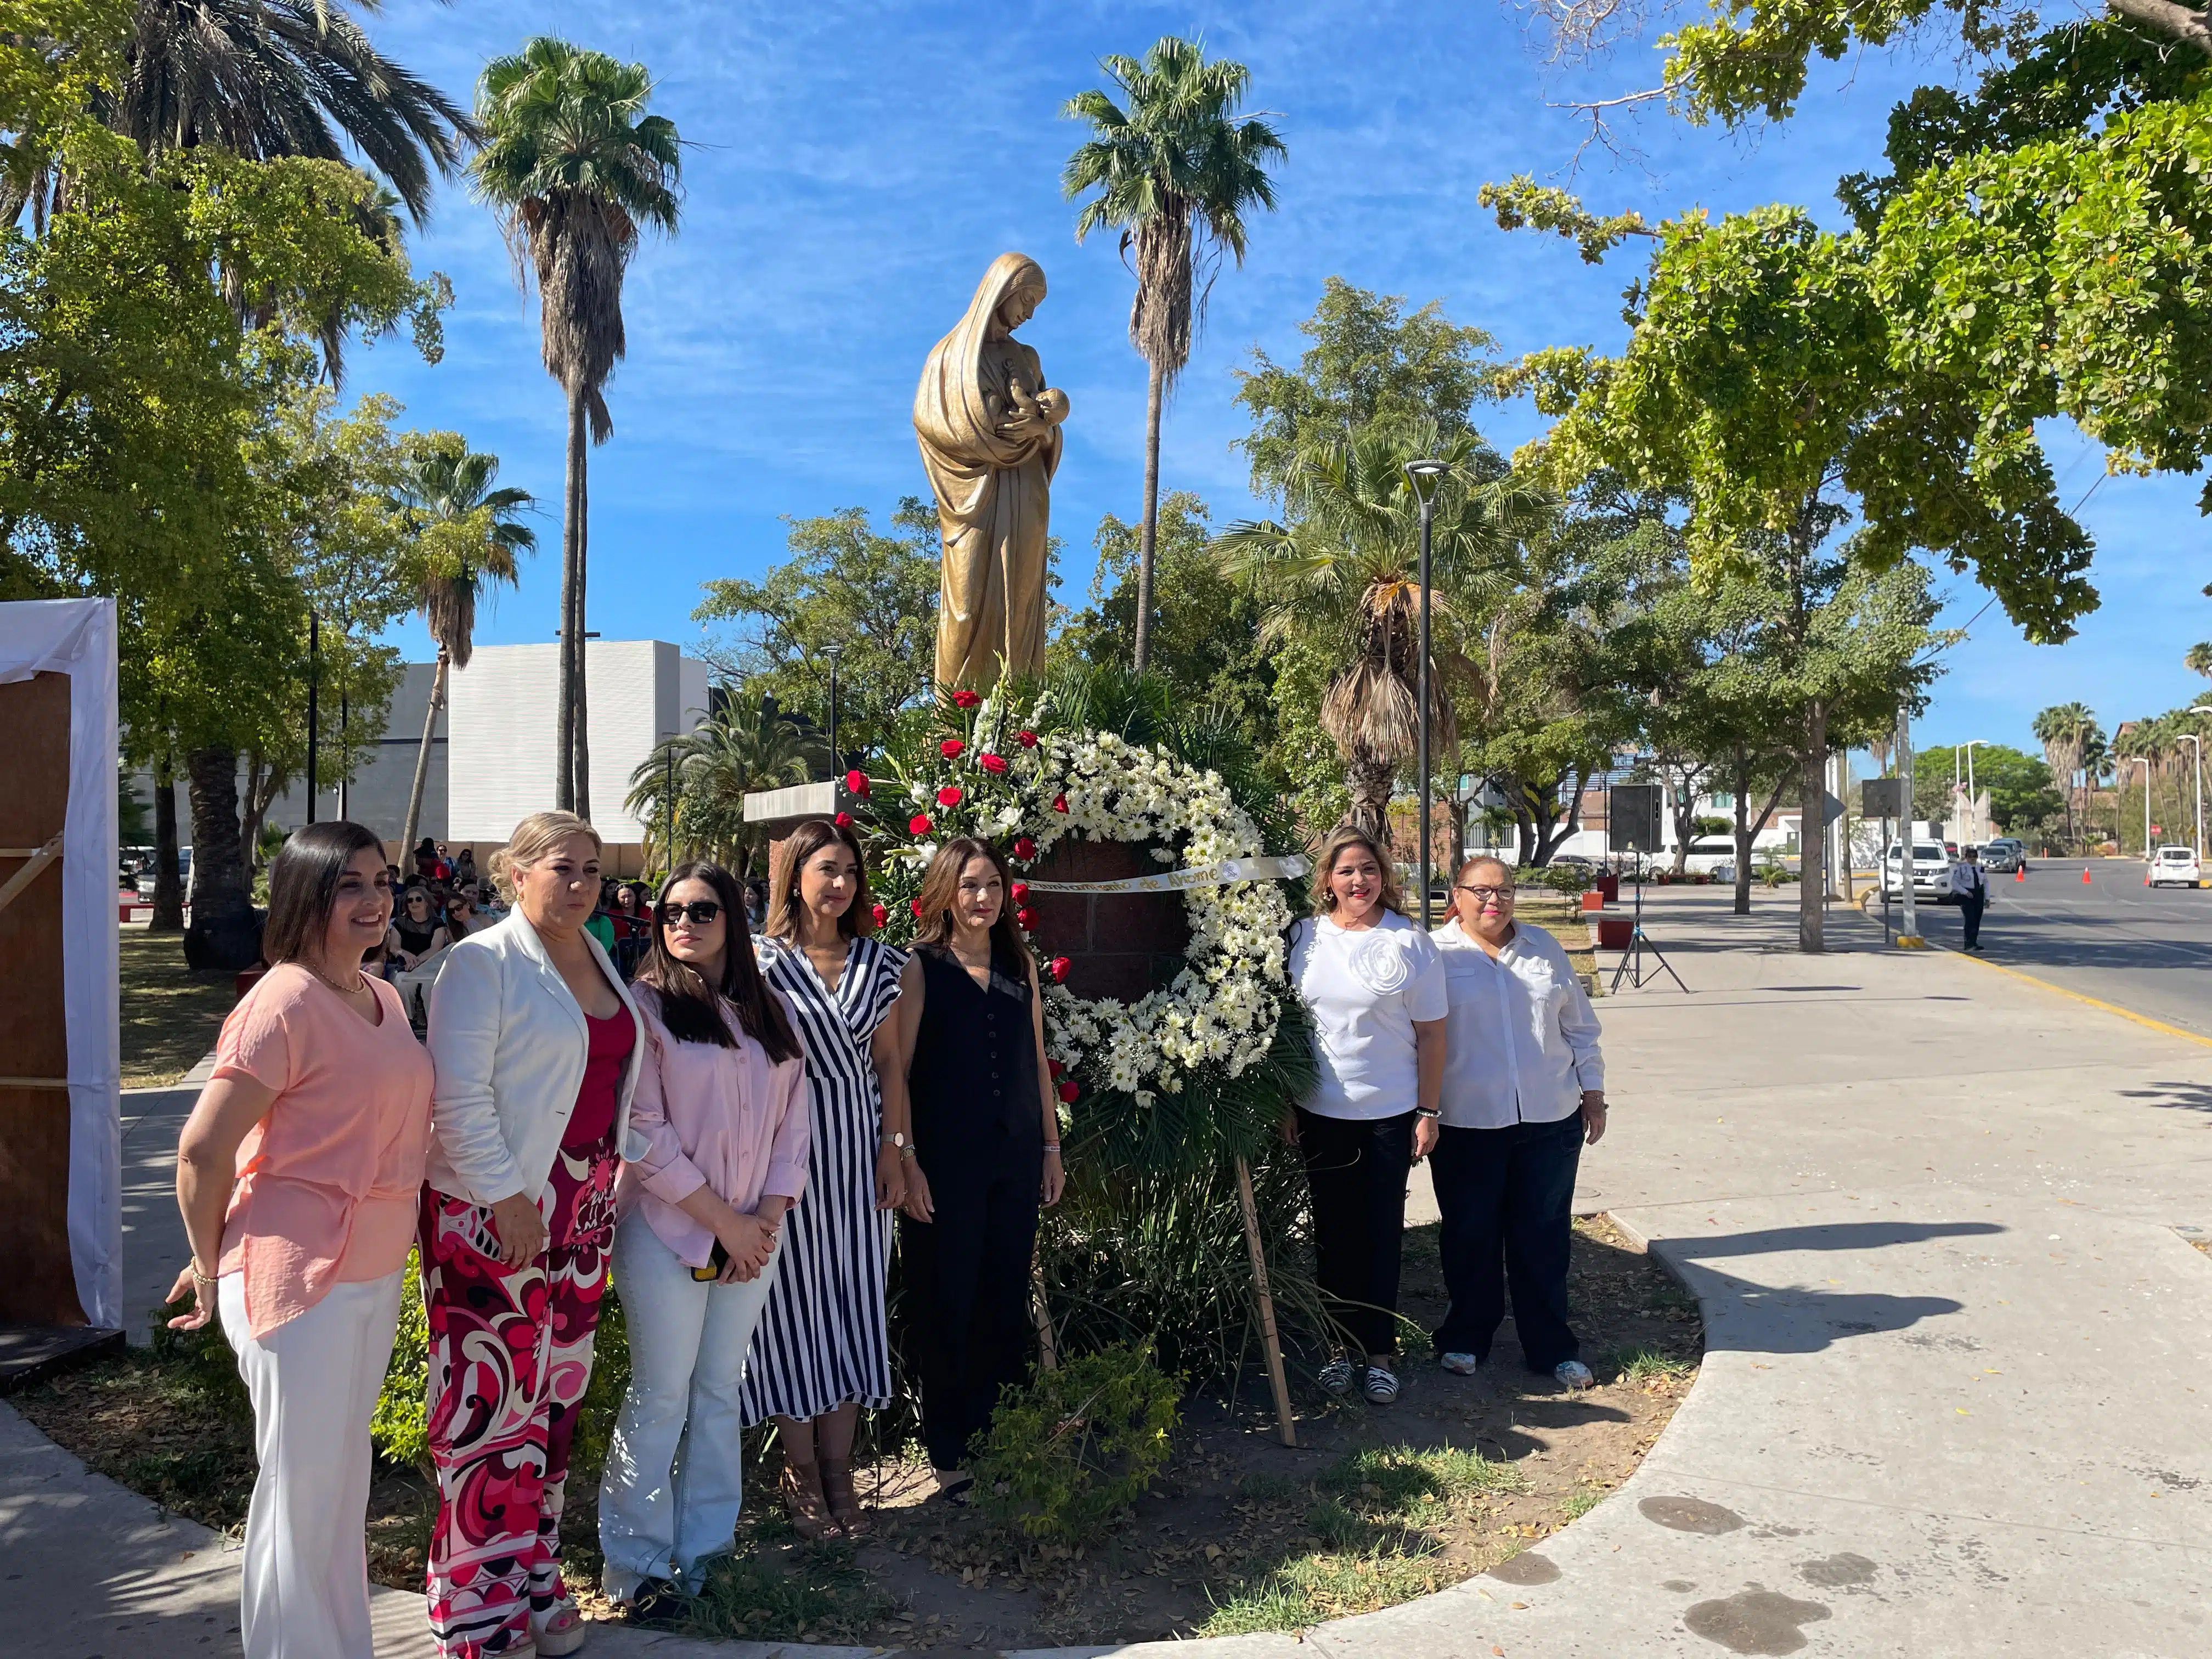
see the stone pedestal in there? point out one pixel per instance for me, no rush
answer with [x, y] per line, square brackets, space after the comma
[1118, 944]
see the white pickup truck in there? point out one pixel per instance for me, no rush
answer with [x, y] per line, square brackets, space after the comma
[1931, 870]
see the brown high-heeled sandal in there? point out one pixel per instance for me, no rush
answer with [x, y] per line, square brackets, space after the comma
[803, 1500]
[844, 1502]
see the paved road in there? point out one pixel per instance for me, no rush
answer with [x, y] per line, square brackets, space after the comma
[2148, 949]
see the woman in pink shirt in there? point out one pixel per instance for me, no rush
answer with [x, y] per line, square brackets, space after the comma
[721, 1109]
[298, 1173]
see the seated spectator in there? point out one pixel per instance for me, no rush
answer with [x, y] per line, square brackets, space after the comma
[416, 934]
[428, 867]
[464, 867]
[462, 918]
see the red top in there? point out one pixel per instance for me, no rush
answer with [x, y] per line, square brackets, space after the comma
[596, 1098]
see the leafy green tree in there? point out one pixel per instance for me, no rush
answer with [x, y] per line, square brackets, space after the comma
[871, 595]
[466, 540]
[1176, 173]
[576, 170]
[1206, 641]
[715, 766]
[1370, 365]
[2024, 796]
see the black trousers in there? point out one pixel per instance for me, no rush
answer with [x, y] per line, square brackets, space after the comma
[1507, 1197]
[1358, 1170]
[1971, 906]
[967, 1293]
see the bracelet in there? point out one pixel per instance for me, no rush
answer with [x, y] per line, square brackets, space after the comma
[200, 1278]
[1053, 1147]
[1427, 1111]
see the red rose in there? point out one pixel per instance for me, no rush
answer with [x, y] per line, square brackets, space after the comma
[915, 904]
[844, 820]
[1068, 1091]
[949, 796]
[1054, 1067]
[919, 824]
[1060, 803]
[857, 782]
[881, 915]
[952, 748]
[1058, 967]
[1027, 917]
[1024, 849]
[1019, 892]
[1028, 740]
[966, 699]
[994, 764]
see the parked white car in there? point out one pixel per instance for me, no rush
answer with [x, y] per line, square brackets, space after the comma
[2176, 866]
[1712, 855]
[1931, 870]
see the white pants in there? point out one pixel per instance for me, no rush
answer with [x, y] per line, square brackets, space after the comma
[675, 1473]
[313, 1381]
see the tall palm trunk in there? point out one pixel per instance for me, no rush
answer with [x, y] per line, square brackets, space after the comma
[224, 933]
[1370, 777]
[422, 756]
[1812, 833]
[572, 655]
[1148, 530]
[168, 886]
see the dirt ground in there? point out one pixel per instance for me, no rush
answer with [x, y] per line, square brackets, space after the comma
[1374, 1507]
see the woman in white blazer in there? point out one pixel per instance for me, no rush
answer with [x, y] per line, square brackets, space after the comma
[537, 1045]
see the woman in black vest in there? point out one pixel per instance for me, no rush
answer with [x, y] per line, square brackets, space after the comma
[986, 1152]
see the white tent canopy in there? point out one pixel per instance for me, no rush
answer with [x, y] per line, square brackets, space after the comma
[77, 637]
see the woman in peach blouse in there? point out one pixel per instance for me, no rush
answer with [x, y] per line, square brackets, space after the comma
[721, 1114]
[298, 1173]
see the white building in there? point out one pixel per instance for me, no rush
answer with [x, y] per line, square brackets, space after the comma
[500, 748]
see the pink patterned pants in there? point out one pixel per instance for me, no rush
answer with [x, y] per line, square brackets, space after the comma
[510, 1356]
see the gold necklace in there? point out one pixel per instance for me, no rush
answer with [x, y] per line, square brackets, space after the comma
[359, 980]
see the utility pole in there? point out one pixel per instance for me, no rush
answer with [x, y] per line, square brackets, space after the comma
[314, 673]
[1907, 840]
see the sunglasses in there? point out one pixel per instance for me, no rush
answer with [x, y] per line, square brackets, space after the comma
[699, 912]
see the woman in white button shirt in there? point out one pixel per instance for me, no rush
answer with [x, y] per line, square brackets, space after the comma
[1523, 1089]
[1373, 984]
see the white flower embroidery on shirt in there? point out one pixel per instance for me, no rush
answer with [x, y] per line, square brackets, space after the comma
[1380, 965]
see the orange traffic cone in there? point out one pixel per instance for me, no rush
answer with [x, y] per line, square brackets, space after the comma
[2020, 874]
[2085, 875]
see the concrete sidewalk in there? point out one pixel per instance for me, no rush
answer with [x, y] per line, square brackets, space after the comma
[1931, 1214]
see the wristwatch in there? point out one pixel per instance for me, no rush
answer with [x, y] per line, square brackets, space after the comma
[897, 1140]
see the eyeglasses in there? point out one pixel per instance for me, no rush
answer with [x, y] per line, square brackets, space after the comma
[700, 912]
[1503, 894]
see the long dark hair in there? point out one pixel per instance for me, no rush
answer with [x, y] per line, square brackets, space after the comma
[690, 1008]
[940, 891]
[303, 886]
[806, 840]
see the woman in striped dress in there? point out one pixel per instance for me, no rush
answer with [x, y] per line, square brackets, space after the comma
[822, 1350]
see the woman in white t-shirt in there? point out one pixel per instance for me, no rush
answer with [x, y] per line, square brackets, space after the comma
[1373, 984]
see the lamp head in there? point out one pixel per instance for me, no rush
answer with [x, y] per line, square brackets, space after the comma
[1423, 475]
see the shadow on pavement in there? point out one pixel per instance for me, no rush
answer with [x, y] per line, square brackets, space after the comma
[1837, 1235]
[2174, 1097]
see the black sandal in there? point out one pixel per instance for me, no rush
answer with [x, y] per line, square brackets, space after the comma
[955, 1495]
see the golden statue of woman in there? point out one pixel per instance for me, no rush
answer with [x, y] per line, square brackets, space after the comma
[989, 428]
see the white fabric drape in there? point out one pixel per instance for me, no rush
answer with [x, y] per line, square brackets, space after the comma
[77, 637]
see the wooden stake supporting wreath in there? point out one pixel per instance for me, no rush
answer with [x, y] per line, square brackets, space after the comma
[1268, 1337]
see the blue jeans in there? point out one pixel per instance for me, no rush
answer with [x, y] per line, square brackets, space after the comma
[1507, 1200]
[675, 1474]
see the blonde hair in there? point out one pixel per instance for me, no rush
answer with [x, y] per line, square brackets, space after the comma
[1345, 835]
[534, 838]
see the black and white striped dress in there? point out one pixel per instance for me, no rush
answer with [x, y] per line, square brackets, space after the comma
[821, 1340]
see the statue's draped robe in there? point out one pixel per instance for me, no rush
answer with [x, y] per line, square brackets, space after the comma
[993, 492]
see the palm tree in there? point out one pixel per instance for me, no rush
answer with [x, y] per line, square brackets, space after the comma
[2064, 730]
[715, 766]
[1347, 563]
[466, 530]
[576, 170]
[265, 78]
[1175, 174]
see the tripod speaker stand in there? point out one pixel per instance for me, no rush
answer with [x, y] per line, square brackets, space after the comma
[1632, 827]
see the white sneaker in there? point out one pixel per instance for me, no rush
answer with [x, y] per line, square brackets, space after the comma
[1381, 1388]
[1336, 1378]
[1573, 1373]
[1461, 1365]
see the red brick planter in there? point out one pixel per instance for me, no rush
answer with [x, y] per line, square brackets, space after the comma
[1118, 944]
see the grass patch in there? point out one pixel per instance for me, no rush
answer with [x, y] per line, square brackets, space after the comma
[1646, 1366]
[1313, 1589]
[816, 1593]
[170, 1014]
[1577, 1504]
[1400, 1481]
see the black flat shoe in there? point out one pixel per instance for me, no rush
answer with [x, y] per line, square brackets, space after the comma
[955, 1495]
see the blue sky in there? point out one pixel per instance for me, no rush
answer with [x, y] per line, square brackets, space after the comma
[855, 166]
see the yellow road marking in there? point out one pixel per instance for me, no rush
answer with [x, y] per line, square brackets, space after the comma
[2093, 1002]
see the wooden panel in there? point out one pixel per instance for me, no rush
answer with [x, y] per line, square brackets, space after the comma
[39, 1287]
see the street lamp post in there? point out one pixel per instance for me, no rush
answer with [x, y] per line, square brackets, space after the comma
[1971, 808]
[2143, 761]
[2197, 755]
[1422, 476]
[1908, 840]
